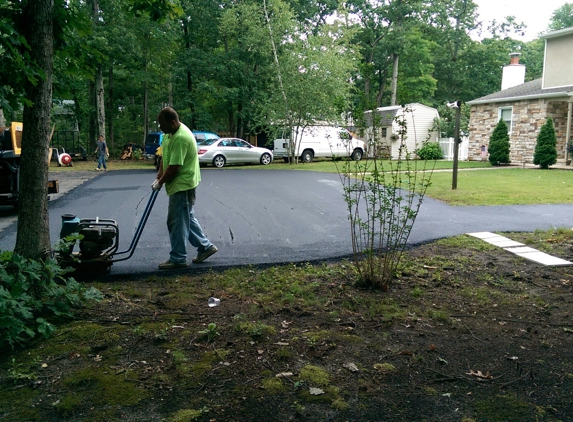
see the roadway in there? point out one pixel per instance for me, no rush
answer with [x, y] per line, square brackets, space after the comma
[264, 217]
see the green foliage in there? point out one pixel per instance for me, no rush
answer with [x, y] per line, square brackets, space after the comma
[499, 145]
[32, 290]
[562, 17]
[545, 153]
[430, 151]
[210, 333]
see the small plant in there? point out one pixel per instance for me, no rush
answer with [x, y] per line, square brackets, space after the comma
[210, 332]
[18, 372]
[30, 291]
[545, 154]
[383, 204]
[430, 151]
[136, 154]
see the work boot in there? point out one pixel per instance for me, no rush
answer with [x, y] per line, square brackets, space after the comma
[170, 265]
[202, 256]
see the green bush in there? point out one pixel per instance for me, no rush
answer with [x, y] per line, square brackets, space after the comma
[545, 153]
[30, 292]
[499, 145]
[430, 151]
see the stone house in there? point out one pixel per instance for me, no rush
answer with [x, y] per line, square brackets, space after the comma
[525, 107]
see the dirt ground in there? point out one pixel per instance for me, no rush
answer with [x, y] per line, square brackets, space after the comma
[466, 332]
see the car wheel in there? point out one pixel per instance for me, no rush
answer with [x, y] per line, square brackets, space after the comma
[306, 156]
[356, 154]
[266, 159]
[219, 161]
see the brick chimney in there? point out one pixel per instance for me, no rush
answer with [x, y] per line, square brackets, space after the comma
[513, 73]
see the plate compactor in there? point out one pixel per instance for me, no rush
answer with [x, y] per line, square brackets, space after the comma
[99, 242]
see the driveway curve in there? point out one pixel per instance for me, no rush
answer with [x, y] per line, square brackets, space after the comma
[265, 217]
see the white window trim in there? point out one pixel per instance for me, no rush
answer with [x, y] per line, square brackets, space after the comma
[499, 114]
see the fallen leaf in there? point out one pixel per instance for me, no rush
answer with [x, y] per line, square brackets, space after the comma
[315, 391]
[284, 374]
[351, 367]
[479, 374]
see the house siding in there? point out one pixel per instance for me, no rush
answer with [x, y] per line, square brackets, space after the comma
[528, 117]
[419, 120]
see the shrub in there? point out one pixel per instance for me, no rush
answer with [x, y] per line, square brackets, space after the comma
[31, 291]
[545, 153]
[499, 145]
[430, 151]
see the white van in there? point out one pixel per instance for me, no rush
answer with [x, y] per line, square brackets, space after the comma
[321, 141]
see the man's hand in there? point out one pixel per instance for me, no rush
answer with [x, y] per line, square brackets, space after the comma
[156, 185]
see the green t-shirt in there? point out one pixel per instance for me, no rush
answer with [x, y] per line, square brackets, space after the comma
[180, 149]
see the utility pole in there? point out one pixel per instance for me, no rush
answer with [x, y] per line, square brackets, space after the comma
[458, 106]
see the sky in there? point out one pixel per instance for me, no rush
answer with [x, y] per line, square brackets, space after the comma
[534, 13]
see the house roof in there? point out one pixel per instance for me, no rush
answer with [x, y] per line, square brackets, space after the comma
[388, 114]
[527, 91]
[558, 33]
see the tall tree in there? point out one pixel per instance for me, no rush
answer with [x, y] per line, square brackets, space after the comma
[33, 235]
[449, 24]
[98, 95]
[562, 17]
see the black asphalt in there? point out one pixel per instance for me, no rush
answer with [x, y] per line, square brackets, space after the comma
[265, 217]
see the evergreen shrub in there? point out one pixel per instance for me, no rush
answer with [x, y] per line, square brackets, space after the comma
[499, 145]
[545, 153]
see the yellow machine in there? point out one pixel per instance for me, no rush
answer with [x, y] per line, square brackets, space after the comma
[10, 151]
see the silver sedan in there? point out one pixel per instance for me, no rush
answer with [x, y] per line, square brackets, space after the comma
[219, 152]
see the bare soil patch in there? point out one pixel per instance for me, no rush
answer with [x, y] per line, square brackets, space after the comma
[467, 332]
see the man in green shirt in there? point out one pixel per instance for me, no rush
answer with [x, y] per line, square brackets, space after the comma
[179, 171]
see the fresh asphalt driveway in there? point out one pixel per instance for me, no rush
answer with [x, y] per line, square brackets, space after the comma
[263, 217]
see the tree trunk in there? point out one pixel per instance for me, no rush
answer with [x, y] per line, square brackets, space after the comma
[33, 235]
[2, 119]
[146, 92]
[92, 129]
[394, 79]
[100, 102]
[110, 107]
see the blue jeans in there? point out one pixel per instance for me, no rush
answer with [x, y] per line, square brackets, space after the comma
[101, 161]
[182, 226]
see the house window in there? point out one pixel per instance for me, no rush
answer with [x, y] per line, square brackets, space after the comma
[384, 132]
[506, 114]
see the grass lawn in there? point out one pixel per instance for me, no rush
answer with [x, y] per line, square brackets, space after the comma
[91, 164]
[510, 186]
[330, 166]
